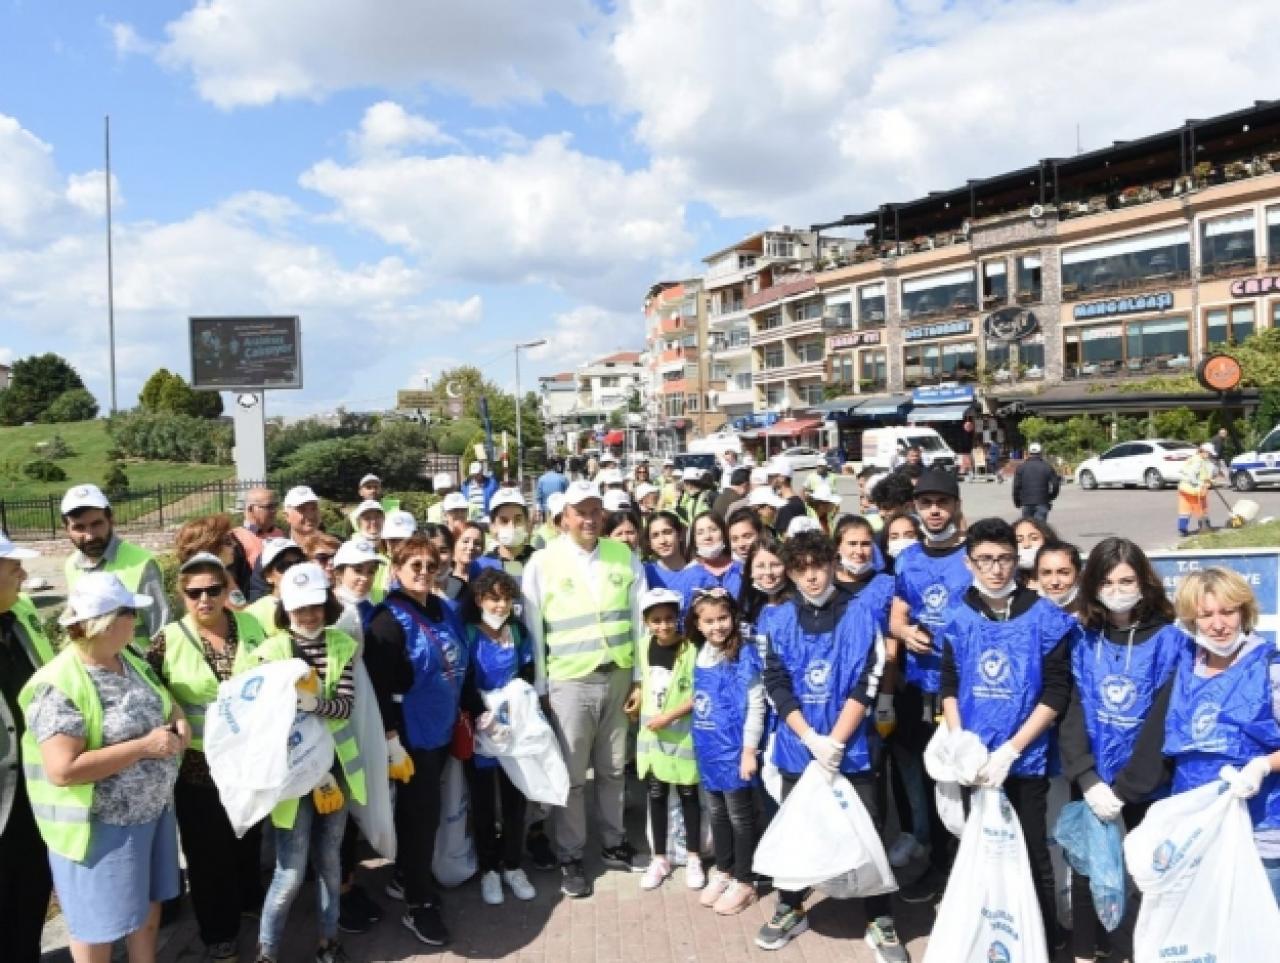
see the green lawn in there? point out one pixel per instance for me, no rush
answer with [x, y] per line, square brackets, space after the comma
[1251, 536]
[90, 442]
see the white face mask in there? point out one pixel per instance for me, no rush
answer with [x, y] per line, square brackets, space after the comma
[1027, 558]
[1062, 599]
[512, 536]
[1003, 592]
[772, 591]
[493, 620]
[895, 546]
[821, 599]
[1224, 650]
[309, 634]
[936, 538]
[1119, 602]
[345, 594]
[856, 568]
[711, 551]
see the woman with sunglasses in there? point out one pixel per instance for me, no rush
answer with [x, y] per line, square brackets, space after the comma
[208, 645]
[213, 534]
[417, 661]
[278, 556]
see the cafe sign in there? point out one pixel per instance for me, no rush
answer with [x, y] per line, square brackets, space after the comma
[856, 339]
[1252, 287]
[942, 329]
[1130, 305]
[1009, 324]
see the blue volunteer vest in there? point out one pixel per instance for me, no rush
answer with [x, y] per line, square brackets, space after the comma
[719, 713]
[439, 659]
[930, 586]
[824, 670]
[1117, 685]
[1000, 666]
[495, 665]
[877, 597]
[684, 581]
[730, 580]
[1226, 720]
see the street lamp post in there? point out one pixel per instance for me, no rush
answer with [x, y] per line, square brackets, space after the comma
[519, 425]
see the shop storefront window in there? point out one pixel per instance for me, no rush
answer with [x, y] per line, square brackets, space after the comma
[1163, 256]
[939, 294]
[873, 370]
[998, 356]
[1028, 279]
[1228, 325]
[842, 368]
[1031, 356]
[1160, 344]
[1153, 342]
[928, 363]
[871, 305]
[1273, 235]
[995, 283]
[1227, 244]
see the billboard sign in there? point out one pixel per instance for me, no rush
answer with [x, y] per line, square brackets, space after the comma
[245, 354]
[1260, 567]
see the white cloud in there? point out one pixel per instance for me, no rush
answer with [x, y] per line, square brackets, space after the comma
[6, 355]
[126, 40]
[585, 333]
[252, 52]
[386, 127]
[87, 192]
[29, 189]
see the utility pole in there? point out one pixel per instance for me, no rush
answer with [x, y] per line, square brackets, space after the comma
[111, 298]
[519, 426]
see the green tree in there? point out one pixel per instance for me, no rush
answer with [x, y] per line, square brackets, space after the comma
[467, 385]
[166, 391]
[74, 405]
[115, 482]
[35, 383]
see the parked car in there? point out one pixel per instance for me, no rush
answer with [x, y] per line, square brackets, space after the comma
[1260, 466]
[1152, 463]
[884, 447]
[696, 459]
[801, 457]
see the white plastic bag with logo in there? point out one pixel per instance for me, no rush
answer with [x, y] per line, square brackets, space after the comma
[454, 861]
[526, 748]
[375, 816]
[951, 760]
[872, 875]
[260, 749]
[989, 911]
[1205, 895]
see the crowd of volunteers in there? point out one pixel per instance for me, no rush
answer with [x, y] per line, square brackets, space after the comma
[713, 634]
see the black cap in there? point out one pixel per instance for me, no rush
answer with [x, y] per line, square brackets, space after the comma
[740, 476]
[935, 481]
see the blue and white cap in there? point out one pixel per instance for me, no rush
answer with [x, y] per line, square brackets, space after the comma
[304, 585]
[84, 496]
[357, 551]
[99, 593]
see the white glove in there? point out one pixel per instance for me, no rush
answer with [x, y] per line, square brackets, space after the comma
[1106, 805]
[1247, 781]
[996, 769]
[886, 716]
[826, 751]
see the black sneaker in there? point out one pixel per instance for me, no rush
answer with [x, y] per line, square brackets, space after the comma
[360, 897]
[351, 916]
[224, 952]
[332, 952]
[395, 887]
[786, 925]
[426, 924]
[622, 856]
[925, 889]
[573, 880]
[540, 852]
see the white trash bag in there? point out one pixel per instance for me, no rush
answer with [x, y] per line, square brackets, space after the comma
[260, 749]
[770, 776]
[1205, 894]
[454, 860]
[989, 911]
[527, 750]
[950, 761]
[873, 875]
[375, 816]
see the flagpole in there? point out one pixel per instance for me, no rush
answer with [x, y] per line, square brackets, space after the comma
[111, 301]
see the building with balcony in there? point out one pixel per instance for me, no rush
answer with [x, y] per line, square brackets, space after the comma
[576, 404]
[681, 391]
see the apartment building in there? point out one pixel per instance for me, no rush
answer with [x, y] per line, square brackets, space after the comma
[682, 390]
[577, 405]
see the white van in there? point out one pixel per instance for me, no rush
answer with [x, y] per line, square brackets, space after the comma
[887, 447]
[1260, 466]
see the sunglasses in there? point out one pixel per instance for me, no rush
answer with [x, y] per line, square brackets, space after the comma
[203, 591]
[126, 613]
[430, 567]
[322, 558]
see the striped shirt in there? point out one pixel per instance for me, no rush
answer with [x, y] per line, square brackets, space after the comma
[315, 653]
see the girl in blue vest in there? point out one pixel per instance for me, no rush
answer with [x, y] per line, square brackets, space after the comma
[898, 531]
[1122, 667]
[667, 566]
[417, 661]
[764, 591]
[498, 652]
[859, 568]
[1225, 706]
[1006, 676]
[1058, 568]
[823, 674]
[664, 751]
[728, 727]
[744, 527]
[709, 548]
[1031, 533]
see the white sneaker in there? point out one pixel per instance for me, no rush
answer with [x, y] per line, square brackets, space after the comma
[656, 873]
[695, 877]
[491, 888]
[519, 884]
[904, 850]
[715, 888]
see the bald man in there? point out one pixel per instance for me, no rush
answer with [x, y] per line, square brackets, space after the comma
[260, 507]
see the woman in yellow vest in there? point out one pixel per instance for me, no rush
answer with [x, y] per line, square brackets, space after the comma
[315, 823]
[278, 556]
[100, 756]
[207, 646]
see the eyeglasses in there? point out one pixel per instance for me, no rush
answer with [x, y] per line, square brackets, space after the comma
[197, 592]
[269, 506]
[985, 563]
[418, 567]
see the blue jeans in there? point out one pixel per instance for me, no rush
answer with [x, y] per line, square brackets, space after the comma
[322, 836]
[1039, 512]
[1272, 866]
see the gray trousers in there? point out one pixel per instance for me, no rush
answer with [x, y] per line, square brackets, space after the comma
[587, 717]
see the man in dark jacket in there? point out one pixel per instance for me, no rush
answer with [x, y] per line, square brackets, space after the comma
[1035, 485]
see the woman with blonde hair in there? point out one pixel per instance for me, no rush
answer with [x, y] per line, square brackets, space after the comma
[101, 755]
[1225, 706]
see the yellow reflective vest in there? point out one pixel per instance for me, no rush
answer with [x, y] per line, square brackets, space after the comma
[667, 753]
[128, 565]
[188, 675]
[586, 626]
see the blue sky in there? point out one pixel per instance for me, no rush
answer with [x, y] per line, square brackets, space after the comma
[428, 183]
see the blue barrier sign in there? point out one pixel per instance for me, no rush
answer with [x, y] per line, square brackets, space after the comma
[1260, 567]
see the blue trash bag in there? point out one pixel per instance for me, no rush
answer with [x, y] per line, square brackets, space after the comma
[1095, 849]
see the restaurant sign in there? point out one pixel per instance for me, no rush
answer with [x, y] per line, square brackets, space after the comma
[1130, 305]
[1010, 324]
[942, 329]
[1251, 287]
[855, 339]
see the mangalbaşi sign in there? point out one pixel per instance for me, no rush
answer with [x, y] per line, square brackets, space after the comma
[1134, 304]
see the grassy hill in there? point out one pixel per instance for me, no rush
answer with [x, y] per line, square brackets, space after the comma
[89, 443]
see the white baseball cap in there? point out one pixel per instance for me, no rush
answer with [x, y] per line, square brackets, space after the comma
[581, 491]
[659, 596]
[454, 501]
[823, 494]
[1034, 448]
[802, 523]
[668, 463]
[765, 496]
[476, 468]
[1208, 449]
[199, 559]
[644, 490]
[300, 495]
[84, 496]
[356, 551]
[97, 593]
[615, 501]
[9, 550]
[692, 473]
[759, 477]
[303, 585]
[369, 478]
[366, 506]
[399, 525]
[610, 476]
[555, 504]
[506, 496]
[779, 466]
[272, 547]
[442, 479]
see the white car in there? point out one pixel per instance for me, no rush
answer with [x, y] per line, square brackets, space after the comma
[1152, 463]
[801, 458]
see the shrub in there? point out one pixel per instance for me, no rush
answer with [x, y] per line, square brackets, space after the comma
[115, 482]
[76, 404]
[42, 469]
[416, 503]
[162, 436]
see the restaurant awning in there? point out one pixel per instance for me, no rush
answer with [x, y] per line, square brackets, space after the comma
[793, 427]
[882, 405]
[614, 437]
[938, 413]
